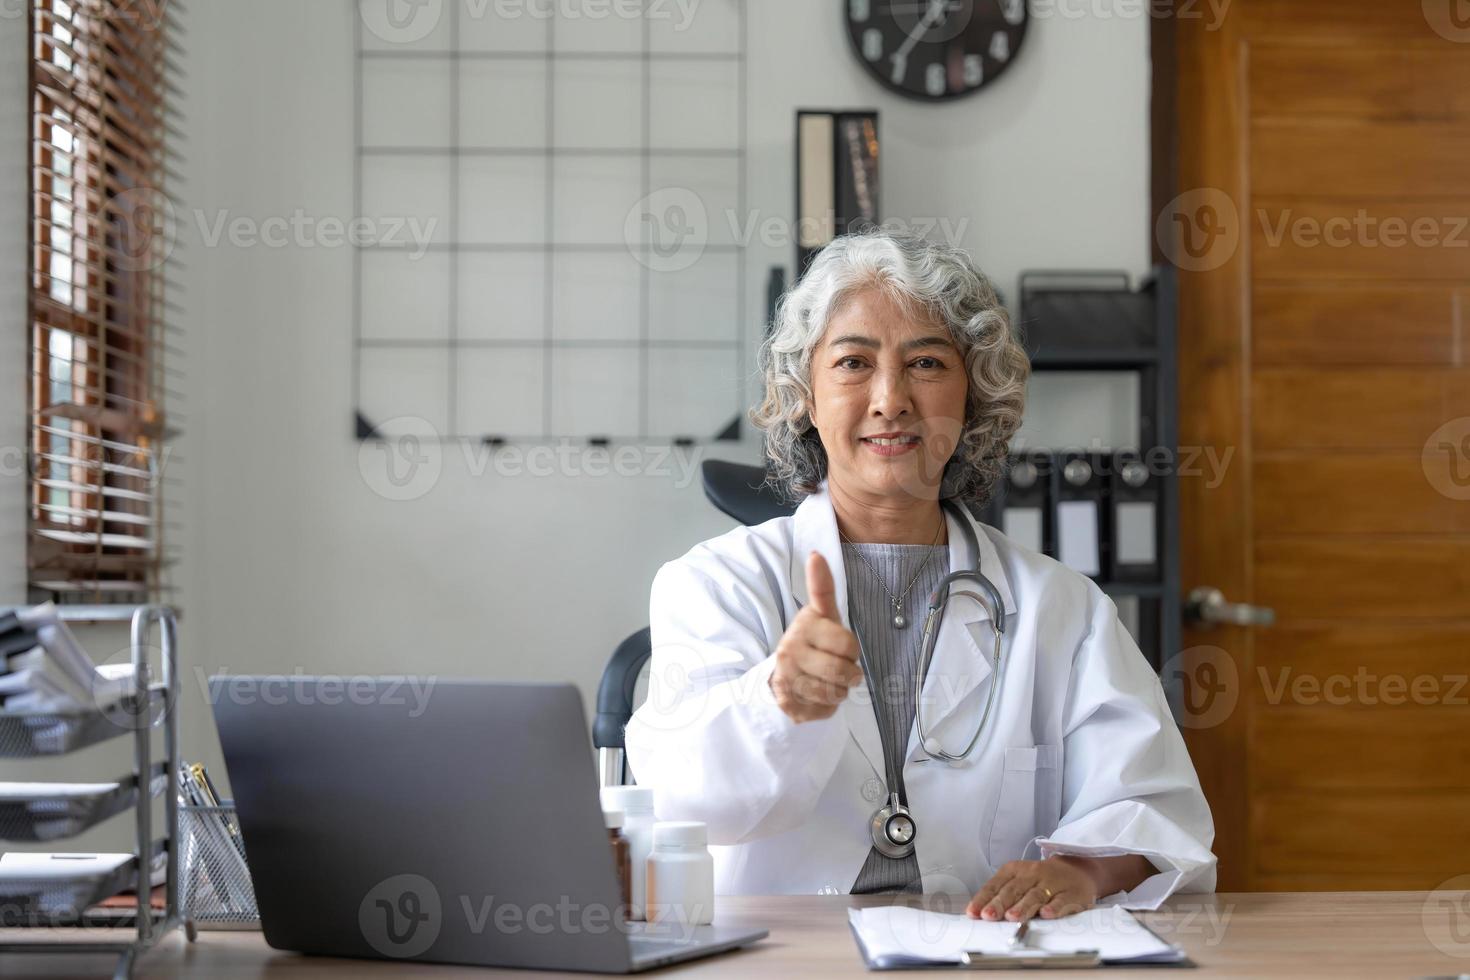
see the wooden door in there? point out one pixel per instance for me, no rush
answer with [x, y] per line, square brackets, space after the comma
[1321, 227]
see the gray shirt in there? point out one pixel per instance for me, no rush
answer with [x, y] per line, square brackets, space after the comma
[893, 656]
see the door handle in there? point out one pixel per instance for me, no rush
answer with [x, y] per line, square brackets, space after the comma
[1207, 606]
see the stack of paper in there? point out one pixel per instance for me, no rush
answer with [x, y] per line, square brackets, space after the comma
[64, 884]
[44, 669]
[894, 936]
[53, 810]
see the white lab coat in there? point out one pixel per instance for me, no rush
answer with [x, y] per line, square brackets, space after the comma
[1080, 755]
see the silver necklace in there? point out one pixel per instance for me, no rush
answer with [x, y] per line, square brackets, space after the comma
[899, 620]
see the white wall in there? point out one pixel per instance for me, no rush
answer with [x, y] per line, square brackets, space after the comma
[293, 562]
[14, 328]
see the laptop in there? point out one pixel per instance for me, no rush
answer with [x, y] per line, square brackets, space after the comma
[435, 821]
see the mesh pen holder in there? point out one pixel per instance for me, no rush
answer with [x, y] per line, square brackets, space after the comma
[214, 880]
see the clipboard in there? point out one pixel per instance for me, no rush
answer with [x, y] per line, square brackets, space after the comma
[1082, 959]
[1020, 959]
[977, 960]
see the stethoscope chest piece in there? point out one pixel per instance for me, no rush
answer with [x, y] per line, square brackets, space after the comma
[894, 829]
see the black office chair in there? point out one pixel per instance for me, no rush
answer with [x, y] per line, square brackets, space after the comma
[740, 492]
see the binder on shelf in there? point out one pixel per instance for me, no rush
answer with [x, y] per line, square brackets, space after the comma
[836, 178]
[1135, 520]
[1080, 513]
[1025, 515]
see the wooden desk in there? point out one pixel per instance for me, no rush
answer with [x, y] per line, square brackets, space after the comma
[1320, 934]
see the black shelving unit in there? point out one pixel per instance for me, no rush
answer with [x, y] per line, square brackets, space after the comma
[1096, 321]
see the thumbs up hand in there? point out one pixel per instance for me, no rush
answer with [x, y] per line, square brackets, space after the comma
[817, 657]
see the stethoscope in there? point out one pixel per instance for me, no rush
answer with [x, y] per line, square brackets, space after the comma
[892, 825]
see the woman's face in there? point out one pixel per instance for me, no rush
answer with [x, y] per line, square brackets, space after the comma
[889, 398]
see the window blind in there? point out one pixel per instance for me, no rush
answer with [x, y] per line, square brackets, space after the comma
[101, 85]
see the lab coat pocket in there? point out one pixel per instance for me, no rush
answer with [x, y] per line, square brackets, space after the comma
[1029, 798]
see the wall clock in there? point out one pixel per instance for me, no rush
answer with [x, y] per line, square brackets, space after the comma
[936, 50]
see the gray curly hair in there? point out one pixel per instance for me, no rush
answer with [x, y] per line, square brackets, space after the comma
[935, 280]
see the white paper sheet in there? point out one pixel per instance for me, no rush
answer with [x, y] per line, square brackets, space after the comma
[41, 792]
[1077, 536]
[46, 866]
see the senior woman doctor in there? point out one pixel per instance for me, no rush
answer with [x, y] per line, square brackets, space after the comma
[892, 381]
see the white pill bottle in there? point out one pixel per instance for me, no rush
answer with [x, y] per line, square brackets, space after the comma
[681, 875]
[636, 802]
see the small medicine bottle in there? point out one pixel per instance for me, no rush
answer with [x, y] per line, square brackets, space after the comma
[681, 874]
[636, 802]
[622, 857]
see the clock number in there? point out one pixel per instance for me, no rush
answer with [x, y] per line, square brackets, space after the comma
[974, 70]
[900, 67]
[934, 79]
[859, 10]
[872, 44]
[1014, 11]
[1000, 46]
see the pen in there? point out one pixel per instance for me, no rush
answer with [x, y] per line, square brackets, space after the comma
[1019, 939]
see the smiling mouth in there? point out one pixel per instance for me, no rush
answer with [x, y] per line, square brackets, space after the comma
[897, 441]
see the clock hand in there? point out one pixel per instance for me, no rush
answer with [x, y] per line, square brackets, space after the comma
[937, 9]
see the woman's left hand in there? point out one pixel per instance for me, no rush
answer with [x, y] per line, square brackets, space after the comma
[1059, 885]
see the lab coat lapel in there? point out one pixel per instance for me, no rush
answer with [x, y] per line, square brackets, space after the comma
[815, 529]
[963, 647]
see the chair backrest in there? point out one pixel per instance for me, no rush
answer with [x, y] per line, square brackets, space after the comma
[742, 492]
[735, 489]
